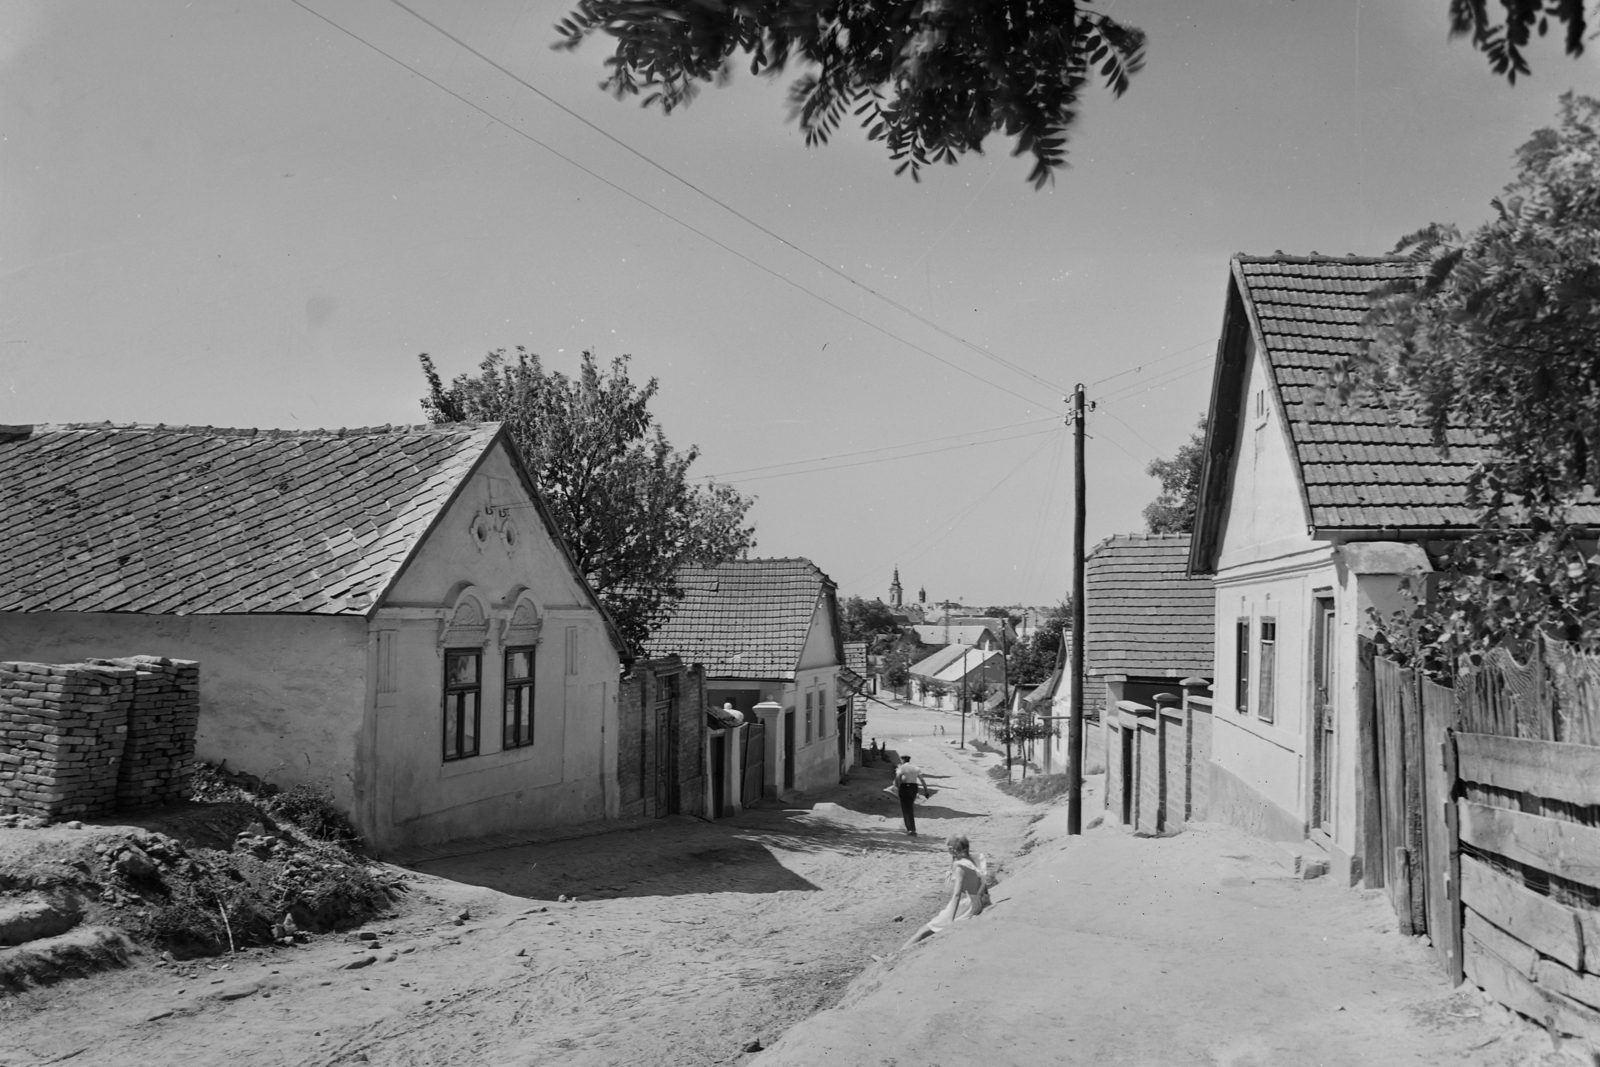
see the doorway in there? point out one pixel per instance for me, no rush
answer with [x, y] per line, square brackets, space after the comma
[719, 775]
[1128, 784]
[667, 800]
[788, 749]
[1323, 644]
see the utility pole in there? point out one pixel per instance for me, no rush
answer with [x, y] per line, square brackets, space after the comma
[1075, 721]
[963, 744]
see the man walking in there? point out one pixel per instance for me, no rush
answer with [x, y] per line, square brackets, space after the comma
[906, 777]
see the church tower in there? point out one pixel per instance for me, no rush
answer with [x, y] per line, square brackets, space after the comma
[895, 592]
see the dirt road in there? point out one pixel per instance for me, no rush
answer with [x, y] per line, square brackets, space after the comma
[689, 941]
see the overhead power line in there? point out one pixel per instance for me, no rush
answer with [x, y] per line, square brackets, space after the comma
[889, 459]
[664, 214]
[735, 212]
[1166, 377]
[885, 448]
[1147, 363]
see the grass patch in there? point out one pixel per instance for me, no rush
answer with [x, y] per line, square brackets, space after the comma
[1037, 788]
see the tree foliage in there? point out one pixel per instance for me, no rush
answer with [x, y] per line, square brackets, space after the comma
[618, 491]
[1496, 341]
[929, 78]
[1503, 40]
[865, 620]
[1032, 659]
[1172, 511]
[932, 79]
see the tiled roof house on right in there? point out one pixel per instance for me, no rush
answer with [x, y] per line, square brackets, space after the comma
[1310, 514]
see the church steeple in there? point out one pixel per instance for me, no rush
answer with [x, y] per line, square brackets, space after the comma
[896, 594]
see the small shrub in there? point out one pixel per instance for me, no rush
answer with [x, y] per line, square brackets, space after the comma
[313, 811]
[1037, 789]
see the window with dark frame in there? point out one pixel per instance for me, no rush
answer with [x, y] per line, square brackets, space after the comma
[810, 701]
[1241, 666]
[463, 692]
[517, 724]
[1266, 670]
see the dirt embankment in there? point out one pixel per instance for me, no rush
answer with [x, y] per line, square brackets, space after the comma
[188, 881]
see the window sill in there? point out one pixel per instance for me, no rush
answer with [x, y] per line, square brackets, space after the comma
[487, 761]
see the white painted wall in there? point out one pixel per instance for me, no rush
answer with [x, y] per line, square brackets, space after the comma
[281, 696]
[1268, 567]
[569, 773]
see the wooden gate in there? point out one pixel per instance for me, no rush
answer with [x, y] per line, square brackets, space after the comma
[666, 745]
[1528, 825]
[1399, 789]
[1490, 819]
[754, 761]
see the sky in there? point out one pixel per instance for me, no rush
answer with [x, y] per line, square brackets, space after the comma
[248, 215]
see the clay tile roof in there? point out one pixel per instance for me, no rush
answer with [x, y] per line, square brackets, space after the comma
[203, 520]
[1144, 616]
[744, 619]
[1363, 465]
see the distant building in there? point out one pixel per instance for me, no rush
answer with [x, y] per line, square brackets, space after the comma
[767, 632]
[896, 593]
[972, 632]
[959, 670]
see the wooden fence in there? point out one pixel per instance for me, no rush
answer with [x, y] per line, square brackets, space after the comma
[1492, 816]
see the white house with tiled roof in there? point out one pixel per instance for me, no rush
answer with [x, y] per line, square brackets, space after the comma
[1311, 515]
[767, 632]
[385, 612]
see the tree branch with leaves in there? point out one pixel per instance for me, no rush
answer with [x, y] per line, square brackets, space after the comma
[1494, 343]
[931, 79]
[619, 493]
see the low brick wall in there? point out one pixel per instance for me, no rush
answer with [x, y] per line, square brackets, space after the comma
[88, 739]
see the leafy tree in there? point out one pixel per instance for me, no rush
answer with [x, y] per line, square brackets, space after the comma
[1494, 342]
[618, 491]
[932, 78]
[1503, 41]
[1032, 660]
[1172, 511]
[867, 619]
[929, 78]
[904, 650]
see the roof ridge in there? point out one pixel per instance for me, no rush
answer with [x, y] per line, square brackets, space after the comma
[1318, 258]
[29, 429]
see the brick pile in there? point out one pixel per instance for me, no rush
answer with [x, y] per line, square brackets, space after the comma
[79, 740]
[158, 757]
[64, 728]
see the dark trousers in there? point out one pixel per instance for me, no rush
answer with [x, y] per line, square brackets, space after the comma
[908, 795]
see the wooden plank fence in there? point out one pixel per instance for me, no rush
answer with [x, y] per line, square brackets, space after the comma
[1493, 819]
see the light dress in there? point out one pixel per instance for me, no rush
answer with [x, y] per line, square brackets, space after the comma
[963, 904]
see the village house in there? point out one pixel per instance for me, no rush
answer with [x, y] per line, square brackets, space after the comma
[973, 633]
[387, 613]
[1147, 628]
[956, 671]
[766, 632]
[1311, 516]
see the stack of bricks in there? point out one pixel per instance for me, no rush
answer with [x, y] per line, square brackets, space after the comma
[64, 728]
[158, 756]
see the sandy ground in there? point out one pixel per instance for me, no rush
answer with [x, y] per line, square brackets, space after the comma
[1111, 949]
[689, 941]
